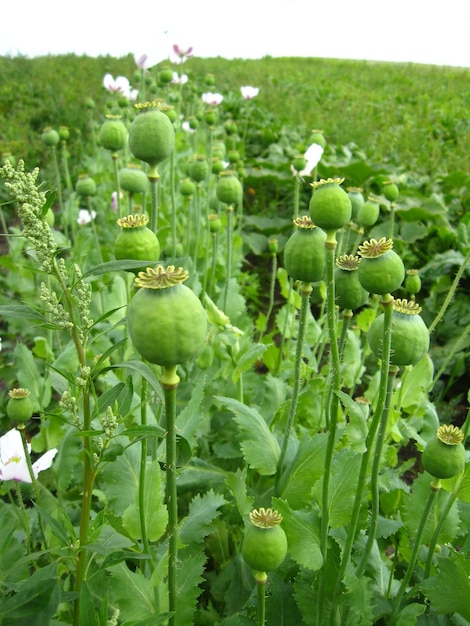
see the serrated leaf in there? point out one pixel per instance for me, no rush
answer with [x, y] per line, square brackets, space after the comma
[29, 377]
[236, 482]
[246, 360]
[460, 484]
[303, 535]
[188, 421]
[188, 579]
[133, 593]
[155, 512]
[413, 504]
[359, 598]
[417, 383]
[202, 511]
[356, 429]
[343, 481]
[304, 471]
[259, 446]
[409, 614]
[449, 589]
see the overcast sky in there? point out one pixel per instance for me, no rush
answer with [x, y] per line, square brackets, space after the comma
[419, 31]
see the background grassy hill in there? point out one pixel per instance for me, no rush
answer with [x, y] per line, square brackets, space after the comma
[415, 116]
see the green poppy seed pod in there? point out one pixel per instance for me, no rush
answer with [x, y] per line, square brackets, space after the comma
[318, 137]
[304, 252]
[113, 133]
[171, 113]
[165, 75]
[368, 213]
[151, 136]
[50, 137]
[230, 127]
[300, 163]
[209, 80]
[64, 133]
[264, 546]
[89, 104]
[357, 200]
[412, 282]
[381, 270]
[229, 189]
[350, 294]
[136, 241]
[330, 206]
[391, 191]
[211, 116]
[444, 456]
[273, 245]
[132, 179]
[217, 166]
[193, 122]
[410, 335]
[219, 150]
[85, 186]
[187, 188]
[215, 223]
[199, 168]
[233, 157]
[19, 406]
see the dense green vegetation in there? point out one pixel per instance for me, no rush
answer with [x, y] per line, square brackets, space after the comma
[411, 115]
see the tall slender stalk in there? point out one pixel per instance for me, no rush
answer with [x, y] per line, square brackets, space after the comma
[387, 303]
[261, 580]
[169, 382]
[332, 409]
[143, 468]
[435, 486]
[305, 291]
[154, 203]
[228, 260]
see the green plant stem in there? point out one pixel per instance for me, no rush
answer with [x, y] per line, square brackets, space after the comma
[392, 220]
[442, 518]
[261, 580]
[435, 486]
[153, 179]
[297, 182]
[284, 329]
[24, 517]
[228, 260]
[197, 225]
[55, 163]
[34, 481]
[65, 163]
[374, 508]
[143, 469]
[93, 228]
[173, 205]
[387, 302]
[347, 317]
[169, 382]
[450, 294]
[272, 286]
[305, 292]
[332, 409]
[115, 158]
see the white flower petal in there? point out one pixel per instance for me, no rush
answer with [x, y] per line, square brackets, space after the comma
[44, 462]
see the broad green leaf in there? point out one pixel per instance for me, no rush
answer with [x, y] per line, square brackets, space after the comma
[306, 468]
[281, 607]
[356, 429]
[460, 484]
[413, 504]
[188, 579]
[133, 593]
[21, 311]
[155, 512]
[449, 589]
[259, 446]
[409, 614]
[417, 383]
[342, 491]
[246, 360]
[88, 616]
[303, 534]
[202, 511]
[359, 598]
[192, 416]
[236, 482]
[35, 595]
[120, 479]
[29, 377]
